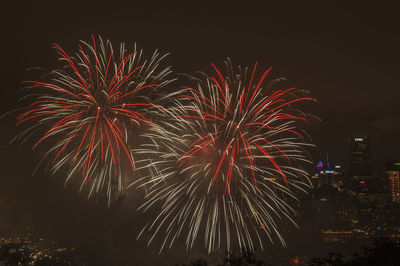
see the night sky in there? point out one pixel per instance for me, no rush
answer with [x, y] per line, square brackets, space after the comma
[346, 54]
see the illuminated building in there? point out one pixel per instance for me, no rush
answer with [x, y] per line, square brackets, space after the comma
[327, 173]
[395, 186]
[361, 180]
[392, 170]
[360, 158]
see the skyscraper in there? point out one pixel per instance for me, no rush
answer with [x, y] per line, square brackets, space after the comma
[328, 173]
[392, 170]
[360, 158]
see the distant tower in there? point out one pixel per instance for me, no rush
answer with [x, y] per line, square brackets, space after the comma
[327, 162]
[360, 157]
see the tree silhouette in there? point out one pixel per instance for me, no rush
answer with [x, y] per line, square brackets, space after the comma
[200, 262]
[242, 258]
[384, 252]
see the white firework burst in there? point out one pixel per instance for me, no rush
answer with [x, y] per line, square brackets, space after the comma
[224, 162]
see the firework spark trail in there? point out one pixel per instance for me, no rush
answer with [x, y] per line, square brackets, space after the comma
[86, 111]
[226, 162]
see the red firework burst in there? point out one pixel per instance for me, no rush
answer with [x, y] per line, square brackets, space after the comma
[89, 107]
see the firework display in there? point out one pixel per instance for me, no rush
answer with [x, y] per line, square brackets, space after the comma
[221, 161]
[225, 162]
[86, 112]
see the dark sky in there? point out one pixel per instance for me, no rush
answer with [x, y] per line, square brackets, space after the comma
[346, 53]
